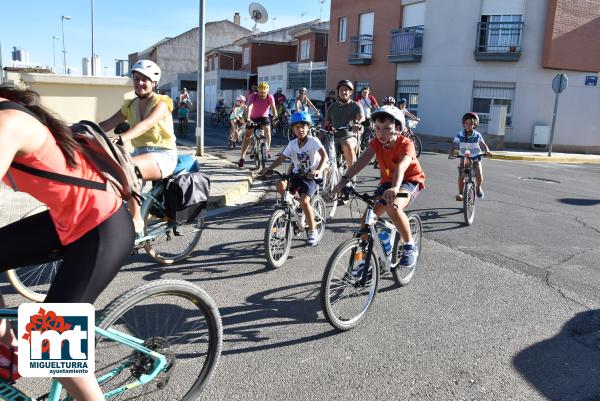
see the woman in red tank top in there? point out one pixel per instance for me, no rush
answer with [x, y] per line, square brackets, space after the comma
[81, 223]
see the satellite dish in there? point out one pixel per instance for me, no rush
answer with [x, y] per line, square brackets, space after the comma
[258, 13]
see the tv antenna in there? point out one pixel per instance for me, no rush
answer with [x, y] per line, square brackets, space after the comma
[259, 14]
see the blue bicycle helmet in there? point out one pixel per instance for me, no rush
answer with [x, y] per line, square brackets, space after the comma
[300, 117]
[402, 101]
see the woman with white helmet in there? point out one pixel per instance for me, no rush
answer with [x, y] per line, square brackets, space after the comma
[237, 117]
[151, 133]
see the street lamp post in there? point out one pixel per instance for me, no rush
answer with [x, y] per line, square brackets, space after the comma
[62, 21]
[200, 84]
[54, 38]
[93, 54]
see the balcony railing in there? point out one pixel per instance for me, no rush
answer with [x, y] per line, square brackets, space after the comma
[407, 45]
[499, 41]
[361, 49]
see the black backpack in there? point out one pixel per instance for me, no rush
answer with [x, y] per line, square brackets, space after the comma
[186, 196]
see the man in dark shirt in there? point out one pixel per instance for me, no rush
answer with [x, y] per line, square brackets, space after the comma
[279, 95]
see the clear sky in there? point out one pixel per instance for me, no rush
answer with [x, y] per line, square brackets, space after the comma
[124, 26]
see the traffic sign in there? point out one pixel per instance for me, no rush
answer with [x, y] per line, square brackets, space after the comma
[559, 83]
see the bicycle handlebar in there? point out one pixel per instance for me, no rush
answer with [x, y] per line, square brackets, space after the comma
[368, 198]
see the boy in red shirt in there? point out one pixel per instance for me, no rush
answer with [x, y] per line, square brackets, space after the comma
[400, 172]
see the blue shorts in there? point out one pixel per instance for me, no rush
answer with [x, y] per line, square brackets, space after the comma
[303, 185]
[411, 187]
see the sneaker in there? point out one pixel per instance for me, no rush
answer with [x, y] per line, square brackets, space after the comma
[459, 197]
[241, 163]
[409, 255]
[312, 238]
[480, 194]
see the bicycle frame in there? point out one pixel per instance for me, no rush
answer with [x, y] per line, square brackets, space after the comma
[371, 220]
[10, 393]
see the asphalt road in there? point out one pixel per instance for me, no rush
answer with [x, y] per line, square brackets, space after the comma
[506, 309]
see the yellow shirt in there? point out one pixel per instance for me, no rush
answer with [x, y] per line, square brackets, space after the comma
[161, 135]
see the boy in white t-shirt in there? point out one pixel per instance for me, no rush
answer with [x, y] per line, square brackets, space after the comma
[308, 158]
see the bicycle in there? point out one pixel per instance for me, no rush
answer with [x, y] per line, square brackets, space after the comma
[142, 353]
[240, 130]
[410, 125]
[166, 241]
[258, 144]
[470, 188]
[220, 117]
[288, 218]
[281, 126]
[182, 128]
[353, 271]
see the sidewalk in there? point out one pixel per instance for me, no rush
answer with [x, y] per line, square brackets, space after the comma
[519, 154]
[228, 184]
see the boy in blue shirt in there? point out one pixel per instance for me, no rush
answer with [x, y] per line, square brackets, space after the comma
[469, 141]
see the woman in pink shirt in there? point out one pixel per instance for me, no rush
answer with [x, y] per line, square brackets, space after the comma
[258, 111]
[90, 229]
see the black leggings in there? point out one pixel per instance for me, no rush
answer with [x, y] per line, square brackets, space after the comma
[89, 264]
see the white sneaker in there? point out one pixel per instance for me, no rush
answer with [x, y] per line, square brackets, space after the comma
[312, 239]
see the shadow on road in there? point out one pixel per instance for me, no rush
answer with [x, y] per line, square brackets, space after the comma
[440, 219]
[579, 202]
[566, 366]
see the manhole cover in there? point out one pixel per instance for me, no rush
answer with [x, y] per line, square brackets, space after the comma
[549, 181]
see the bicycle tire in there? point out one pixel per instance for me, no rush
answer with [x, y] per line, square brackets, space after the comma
[214, 119]
[226, 122]
[469, 203]
[319, 211]
[33, 282]
[184, 236]
[404, 275]
[279, 223]
[368, 281]
[149, 313]
[418, 145]
[264, 155]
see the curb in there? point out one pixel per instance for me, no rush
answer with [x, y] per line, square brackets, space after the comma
[234, 194]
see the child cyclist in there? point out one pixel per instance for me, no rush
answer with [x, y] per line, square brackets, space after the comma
[238, 118]
[183, 113]
[308, 157]
[400, 172]
[469, 140]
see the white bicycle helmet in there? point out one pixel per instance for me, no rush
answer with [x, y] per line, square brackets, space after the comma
[241, 97]
[147, 68]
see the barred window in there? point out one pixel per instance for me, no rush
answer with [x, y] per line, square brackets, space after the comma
[409, 90]
[487, 93]
[246, 56]
[304, 49]
[358, 85]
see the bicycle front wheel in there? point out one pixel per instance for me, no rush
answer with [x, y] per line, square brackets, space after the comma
[263, 155]
[278, 239]
[349, 284]
[469, 203]
[226, 122]
[170, 242]
[403, 275]
[330, 180]
[418, 145]
[174, 318]
[214, 119]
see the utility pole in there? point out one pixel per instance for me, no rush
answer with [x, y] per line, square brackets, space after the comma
[93, 54]
[200, 85]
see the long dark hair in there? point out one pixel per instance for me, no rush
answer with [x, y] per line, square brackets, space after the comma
[60, 130]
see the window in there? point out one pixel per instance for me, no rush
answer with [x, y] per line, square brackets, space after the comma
[502, 33]
[358, 85]
[246, 56]
[343, 23]
[304, 49]
[409, 90]
[486, 94]
[215, 64]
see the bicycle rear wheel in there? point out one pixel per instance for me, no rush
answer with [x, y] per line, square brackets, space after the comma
[226, 122]
[33, 282]
[278, 238]
[349, 284]
[469, 203]
[330, 180]
[171, 242]
[320, 213]
[403, 275]
[176, 319]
